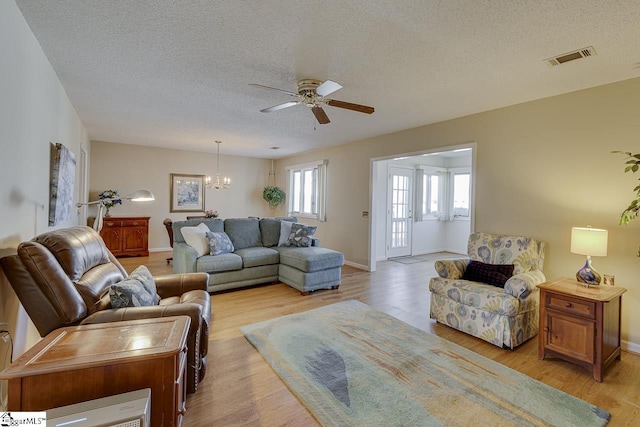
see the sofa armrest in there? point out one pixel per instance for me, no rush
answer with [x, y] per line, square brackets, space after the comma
[177, 284]
[452, 268]
[521, 285]
[184, 258]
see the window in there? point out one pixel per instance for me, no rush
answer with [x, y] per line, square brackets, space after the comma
[430, 194]
[461, 194]
[307, 189]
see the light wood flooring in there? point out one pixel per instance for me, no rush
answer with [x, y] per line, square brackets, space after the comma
[240, 388]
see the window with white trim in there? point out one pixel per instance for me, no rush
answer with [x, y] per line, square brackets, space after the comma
[306, 185]
[461, 194]
[430, 194]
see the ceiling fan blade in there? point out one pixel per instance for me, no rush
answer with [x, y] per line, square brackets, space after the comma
[328, 87]
[349, 106]
[280, 106]
[321, 116]
[273, 88]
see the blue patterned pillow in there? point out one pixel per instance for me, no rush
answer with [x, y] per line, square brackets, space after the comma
[137, 290]
[492, 274]
[301, 235]
[219, 243]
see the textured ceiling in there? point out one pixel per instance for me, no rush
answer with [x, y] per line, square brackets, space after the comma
[176, 73]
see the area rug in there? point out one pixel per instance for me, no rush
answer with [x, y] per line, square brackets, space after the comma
[352, 365]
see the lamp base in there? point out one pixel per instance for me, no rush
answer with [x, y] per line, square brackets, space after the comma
[588, 275]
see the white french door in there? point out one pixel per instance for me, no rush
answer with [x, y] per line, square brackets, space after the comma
[399, 214]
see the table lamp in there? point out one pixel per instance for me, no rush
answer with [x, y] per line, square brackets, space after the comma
[590, 242]
[136, 196]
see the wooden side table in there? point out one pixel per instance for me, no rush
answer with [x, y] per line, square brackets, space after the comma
[80, 363]
[580, 324]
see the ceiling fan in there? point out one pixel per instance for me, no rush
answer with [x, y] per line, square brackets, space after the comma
[312, 92]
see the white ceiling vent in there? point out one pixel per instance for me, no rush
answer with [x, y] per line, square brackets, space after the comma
[571, 56]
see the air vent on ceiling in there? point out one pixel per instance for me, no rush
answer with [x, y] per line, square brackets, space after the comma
[571, 56]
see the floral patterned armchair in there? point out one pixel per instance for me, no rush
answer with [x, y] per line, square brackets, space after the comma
[507, 316]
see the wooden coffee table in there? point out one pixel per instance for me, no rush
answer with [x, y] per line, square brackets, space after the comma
[80, 363]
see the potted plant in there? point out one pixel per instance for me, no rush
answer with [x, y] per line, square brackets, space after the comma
[632, 211]
[273, 195]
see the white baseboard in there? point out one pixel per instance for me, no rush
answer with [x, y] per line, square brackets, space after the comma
[356, 265]
[160, 249]
[630, 347]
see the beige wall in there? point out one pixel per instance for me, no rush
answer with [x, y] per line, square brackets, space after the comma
[34, 112]
[132, 167]
[541, 168]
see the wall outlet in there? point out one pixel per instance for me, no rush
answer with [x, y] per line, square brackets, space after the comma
[365, 214]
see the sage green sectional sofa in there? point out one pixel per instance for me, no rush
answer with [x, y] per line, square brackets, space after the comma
[259, 256]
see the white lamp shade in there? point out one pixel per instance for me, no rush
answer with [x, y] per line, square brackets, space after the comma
[589, 241]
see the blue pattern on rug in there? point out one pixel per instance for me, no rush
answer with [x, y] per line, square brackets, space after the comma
[351, 364]
[328, 368]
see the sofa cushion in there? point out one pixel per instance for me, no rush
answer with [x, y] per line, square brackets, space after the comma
[219, 243]
[301, 235]
[479, 295]
[492, 274]
[243, 232]
[270, 230]
[218, 263]
[196, 237]
[253, 257]
[310, 259]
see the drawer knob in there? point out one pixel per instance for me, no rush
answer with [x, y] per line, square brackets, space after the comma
[546, 329]
[136, 223]
[568, 305]
[109, 224]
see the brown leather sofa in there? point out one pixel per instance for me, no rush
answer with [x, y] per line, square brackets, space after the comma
[62, 278]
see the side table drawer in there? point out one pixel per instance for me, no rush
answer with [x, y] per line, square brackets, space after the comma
[571, 306]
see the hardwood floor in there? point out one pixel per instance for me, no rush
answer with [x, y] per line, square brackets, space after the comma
[241, 389]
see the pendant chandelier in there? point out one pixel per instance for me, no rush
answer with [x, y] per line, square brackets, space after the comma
[219, 183]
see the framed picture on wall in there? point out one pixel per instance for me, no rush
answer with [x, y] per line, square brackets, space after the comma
[187, 193]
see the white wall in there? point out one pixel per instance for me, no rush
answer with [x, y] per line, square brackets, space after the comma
[541, 168]
[34, 112]
[132, 167]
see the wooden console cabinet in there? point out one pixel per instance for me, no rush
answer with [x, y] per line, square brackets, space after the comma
[580, 324]
[80, 363]
[126, 236]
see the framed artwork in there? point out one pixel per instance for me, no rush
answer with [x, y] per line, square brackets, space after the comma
[62, 177]
[187, 193]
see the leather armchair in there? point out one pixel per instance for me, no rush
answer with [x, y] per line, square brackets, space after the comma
[62, 278]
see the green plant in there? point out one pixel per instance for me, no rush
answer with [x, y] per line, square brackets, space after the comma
[632, 211]
[273, 195]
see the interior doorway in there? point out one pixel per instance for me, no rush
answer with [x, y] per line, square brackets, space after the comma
[421, 203]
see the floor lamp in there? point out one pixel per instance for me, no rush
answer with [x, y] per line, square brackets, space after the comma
[136, 196]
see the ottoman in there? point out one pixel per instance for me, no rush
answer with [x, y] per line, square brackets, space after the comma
[309, 269]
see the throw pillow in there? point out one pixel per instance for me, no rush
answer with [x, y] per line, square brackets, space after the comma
[285, 230]
[219, 243]
[144, 276]
[196, 238]
[301, 235]
[492, 274]
[130, 293]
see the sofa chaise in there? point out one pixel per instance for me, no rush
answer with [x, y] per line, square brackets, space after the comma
[258, 256]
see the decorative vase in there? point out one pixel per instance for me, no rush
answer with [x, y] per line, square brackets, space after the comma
[106, 213]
